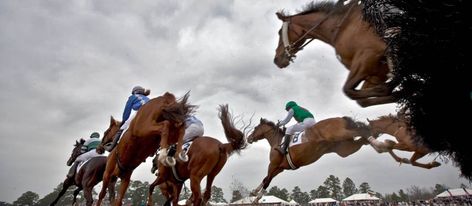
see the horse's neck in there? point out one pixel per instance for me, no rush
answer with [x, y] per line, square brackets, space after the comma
[324, 31]
[274, 138]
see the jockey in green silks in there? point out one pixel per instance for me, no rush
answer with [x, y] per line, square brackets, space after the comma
[304, 120]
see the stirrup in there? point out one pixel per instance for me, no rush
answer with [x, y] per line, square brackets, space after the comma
[183, 156]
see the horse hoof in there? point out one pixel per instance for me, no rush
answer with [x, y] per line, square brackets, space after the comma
[170, 161]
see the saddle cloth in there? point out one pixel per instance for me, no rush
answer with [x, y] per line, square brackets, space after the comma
[297, 138]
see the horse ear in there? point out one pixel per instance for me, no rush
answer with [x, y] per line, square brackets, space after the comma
[368, 120]
[82, 141]
[112, 120]
[262, 120]
[281, 16]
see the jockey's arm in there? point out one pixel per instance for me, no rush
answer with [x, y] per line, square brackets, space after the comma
[128, 107]
[287, 118]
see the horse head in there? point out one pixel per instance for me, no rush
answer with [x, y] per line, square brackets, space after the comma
[76, 151]
[291, 40]
[108, 137]
[265, 129]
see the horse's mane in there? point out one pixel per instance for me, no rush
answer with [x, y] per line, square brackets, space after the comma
[387, 117]
[363, 127]
[325, 6]
[271, 124]
[178, 111]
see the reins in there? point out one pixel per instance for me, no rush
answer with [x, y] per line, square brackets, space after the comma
[289, 46]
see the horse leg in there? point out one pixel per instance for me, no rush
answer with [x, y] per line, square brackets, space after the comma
[107, 179]
[175, 197]
[418, 155]
[76, 192]
[156, 182]
[375, 101]
[67, 183]
[379, 146]
[196, 190]
[88, 196]
[123, 187]
[399, 159]
[207, 194]
[273, 171]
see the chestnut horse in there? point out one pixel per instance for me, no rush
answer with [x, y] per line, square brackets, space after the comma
[330, 135]
[89, 175]
[158, 123]
[207, 156]
[398, 128]
[356, 44]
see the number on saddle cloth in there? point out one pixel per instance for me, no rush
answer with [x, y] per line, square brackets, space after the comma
[297, 138]
[186, 146]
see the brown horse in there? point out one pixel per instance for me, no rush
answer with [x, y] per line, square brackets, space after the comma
[207, 156]
[158, 123]
[89, 175]
[398, 128]
[356, 44]
[330, 135]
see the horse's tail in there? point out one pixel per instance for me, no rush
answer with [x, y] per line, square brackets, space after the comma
[363, 128]
[235, 137]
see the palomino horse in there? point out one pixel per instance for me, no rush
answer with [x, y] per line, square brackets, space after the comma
[357, 45]
[329, 135]
[207, 156]
[158, 123]
[89, 174]
[398, 128]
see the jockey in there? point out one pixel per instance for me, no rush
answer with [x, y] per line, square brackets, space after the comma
[137, 99]
[304, 120]
[193, 128]
[88, 151]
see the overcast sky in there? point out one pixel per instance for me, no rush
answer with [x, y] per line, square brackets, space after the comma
[67, 66]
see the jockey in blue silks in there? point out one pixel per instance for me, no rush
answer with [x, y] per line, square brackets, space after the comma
[137, 99]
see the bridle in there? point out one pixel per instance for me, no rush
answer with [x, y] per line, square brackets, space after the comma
[289, 47]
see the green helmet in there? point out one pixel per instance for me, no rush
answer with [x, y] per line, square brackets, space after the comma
[95, 135]
[290, 104]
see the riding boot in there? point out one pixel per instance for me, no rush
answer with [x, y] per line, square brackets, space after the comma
[286, 142]
[72, 170]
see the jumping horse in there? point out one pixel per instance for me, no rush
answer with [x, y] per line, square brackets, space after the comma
[89, 175]
[398, 128]
[207, 156]
[329, 135]
[157, 124]
[356, 44]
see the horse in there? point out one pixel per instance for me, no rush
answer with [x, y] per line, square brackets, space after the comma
[329, 135]
[207, 156]
[356, 43]
[398, 128]
[89, 175]
[158, 123]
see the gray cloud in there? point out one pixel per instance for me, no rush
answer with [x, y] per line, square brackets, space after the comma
[68, 66]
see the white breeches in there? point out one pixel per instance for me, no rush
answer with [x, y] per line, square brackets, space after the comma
[301, 126]
[192, 131]
[125, 125]
[86, 156]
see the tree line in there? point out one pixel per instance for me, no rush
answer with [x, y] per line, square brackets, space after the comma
[331, 187]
